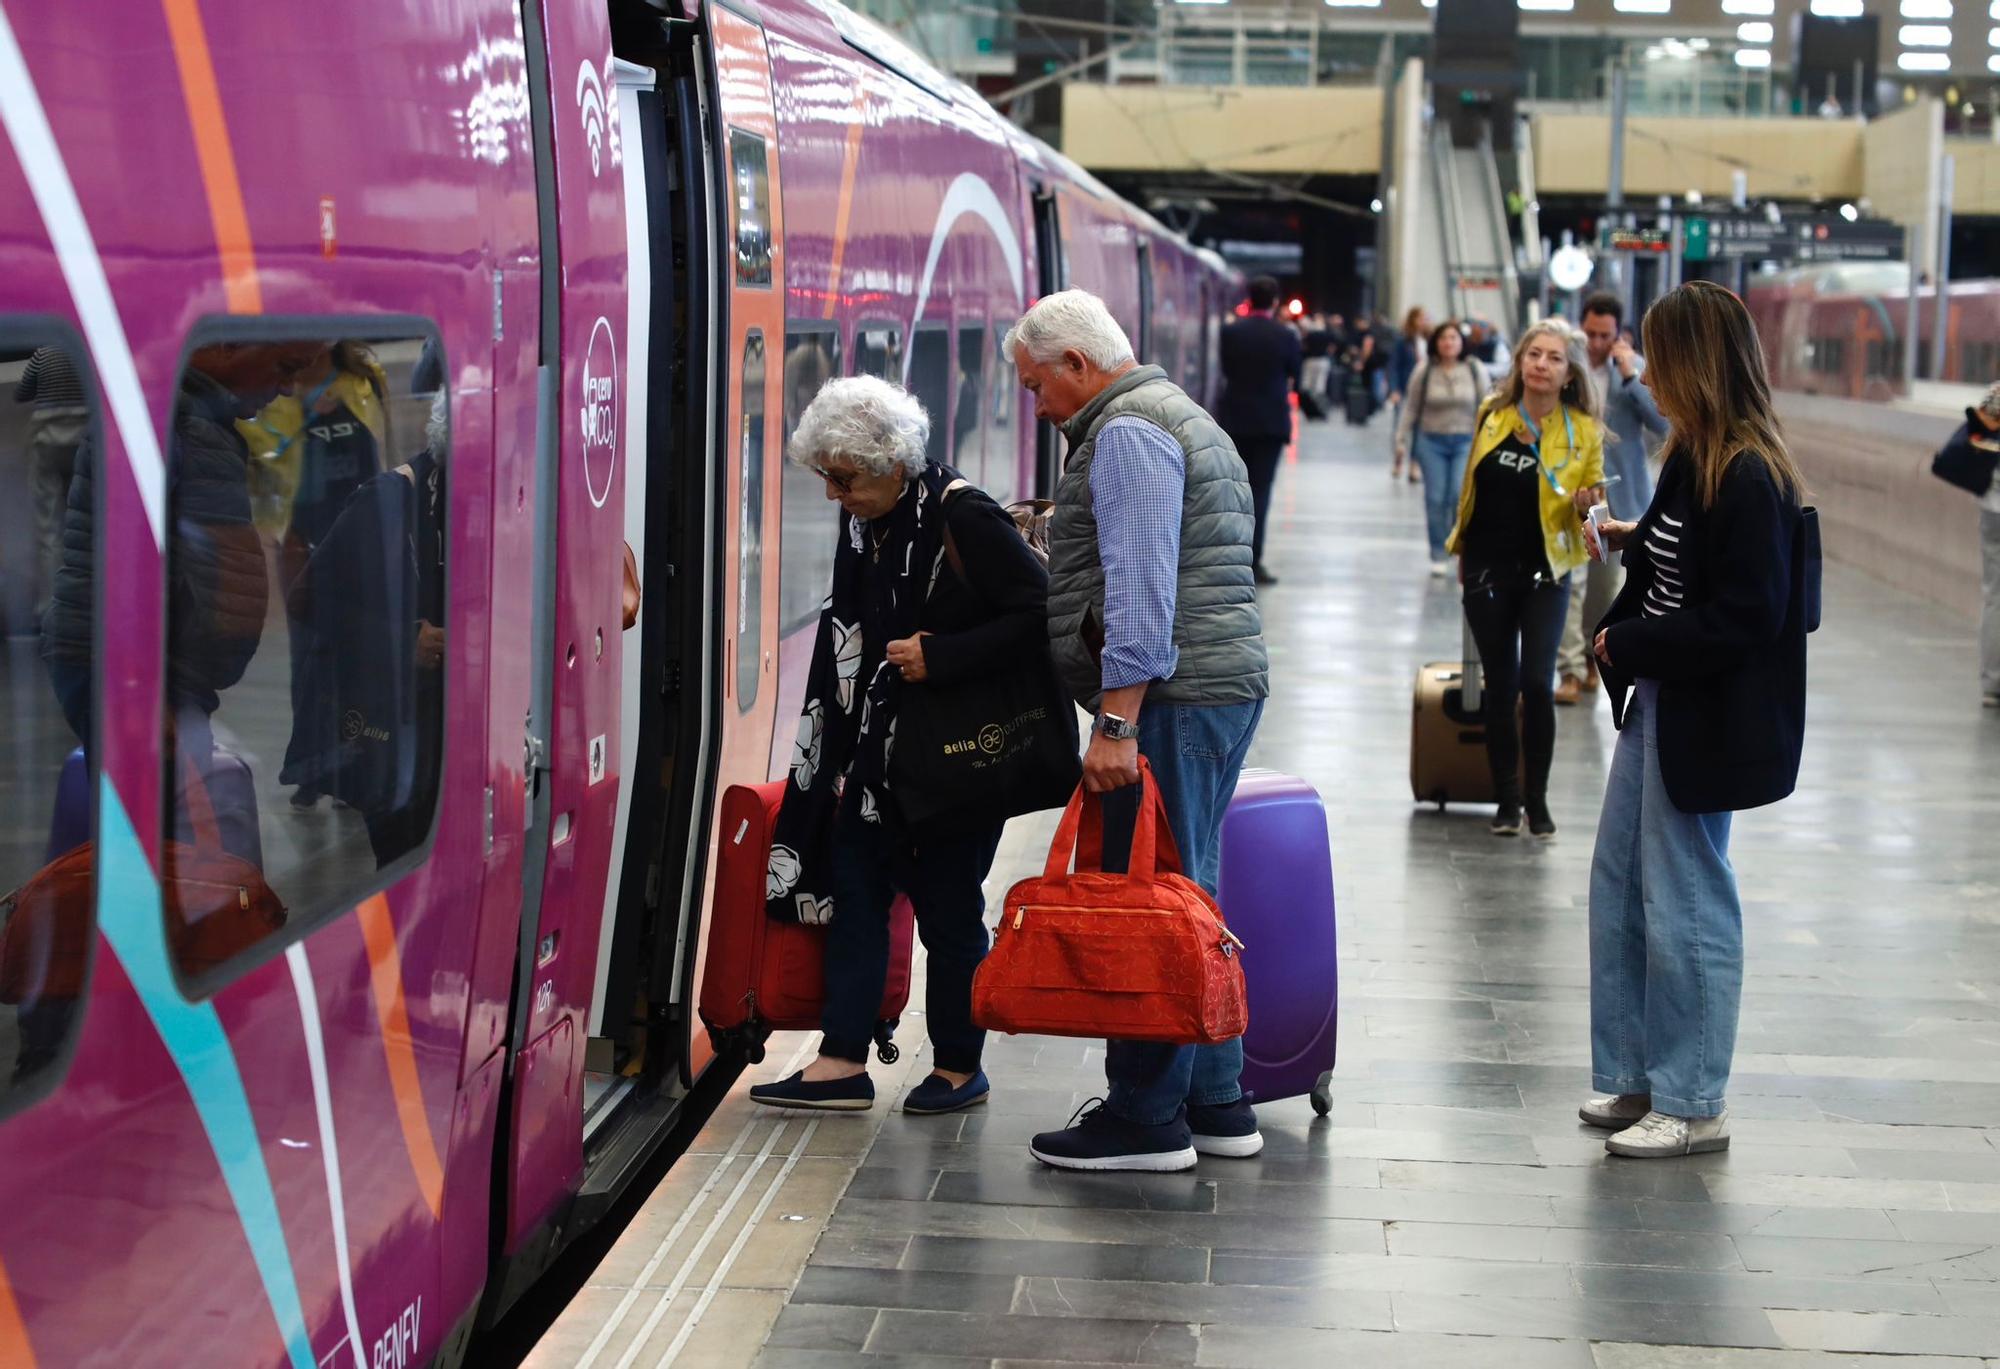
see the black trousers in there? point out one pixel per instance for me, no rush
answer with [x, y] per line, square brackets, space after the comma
[942, 873]
[1260, 456]
[1518, 625]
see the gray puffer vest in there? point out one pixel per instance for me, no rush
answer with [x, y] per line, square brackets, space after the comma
[1218, 632]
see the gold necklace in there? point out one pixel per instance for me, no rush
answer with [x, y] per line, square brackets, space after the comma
[879, 539]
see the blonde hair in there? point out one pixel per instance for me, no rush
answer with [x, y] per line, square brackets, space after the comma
[1707, 372]
[1577, 392]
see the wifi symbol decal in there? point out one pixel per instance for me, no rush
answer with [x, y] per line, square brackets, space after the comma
[590, 104]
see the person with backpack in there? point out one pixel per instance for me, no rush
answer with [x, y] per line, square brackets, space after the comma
[1439, 412]
[1969, 461]
[1704, 654]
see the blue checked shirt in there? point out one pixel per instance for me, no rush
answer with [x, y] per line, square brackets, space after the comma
[1138, 479]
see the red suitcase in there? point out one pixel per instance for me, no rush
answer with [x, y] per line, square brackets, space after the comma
[763, 975]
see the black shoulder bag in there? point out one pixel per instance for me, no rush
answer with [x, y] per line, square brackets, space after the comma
[993, 747]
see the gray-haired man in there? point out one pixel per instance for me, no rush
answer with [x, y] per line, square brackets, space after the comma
[1154, 627]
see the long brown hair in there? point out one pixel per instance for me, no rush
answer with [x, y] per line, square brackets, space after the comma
[1577, 391]
[1413, 322]
[1706, 368]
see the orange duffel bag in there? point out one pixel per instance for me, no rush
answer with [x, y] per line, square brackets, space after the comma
[217, 905]
[1140, 956]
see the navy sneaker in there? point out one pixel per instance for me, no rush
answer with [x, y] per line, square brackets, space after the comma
[1227, 1129]
[936, 1095]
[856, 1093]
[1098, 1140]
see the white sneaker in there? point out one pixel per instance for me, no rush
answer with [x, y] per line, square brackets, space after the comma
[1659, 1136]
[1440, 569]
[1615, 1111]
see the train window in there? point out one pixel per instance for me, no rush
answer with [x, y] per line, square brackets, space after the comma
[306, 628]
[1978, 362]
[878, 351]
[750, 160]
[1003, 458]
[750, 531]
[48, 652]
[969, 403]
[930, 382]
[810, 531]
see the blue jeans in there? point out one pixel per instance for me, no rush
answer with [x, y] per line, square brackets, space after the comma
[1196, 753]
[1441, 457]
[943, 875]
[1666, 935]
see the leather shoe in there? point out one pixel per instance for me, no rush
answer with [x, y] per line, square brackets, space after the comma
[1262, 576]
[1569, 690]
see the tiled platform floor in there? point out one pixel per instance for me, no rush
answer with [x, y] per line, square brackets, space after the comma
[1452, 1212]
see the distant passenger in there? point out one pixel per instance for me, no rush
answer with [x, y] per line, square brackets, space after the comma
[1317, 368]
[1435, 429]
[1630, 413]
[1705, 656]
[56, 428]
[1261, 360]
[841, 838]
[1410, 349]
[1537, 460]
[1977, 445]
[1153, 620]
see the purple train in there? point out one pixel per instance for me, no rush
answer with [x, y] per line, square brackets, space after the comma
[359, 827]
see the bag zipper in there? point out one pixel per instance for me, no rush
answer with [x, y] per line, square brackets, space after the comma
[1021, 913]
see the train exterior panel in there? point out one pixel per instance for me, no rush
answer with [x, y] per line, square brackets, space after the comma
[1841, 330]
[369, 1124]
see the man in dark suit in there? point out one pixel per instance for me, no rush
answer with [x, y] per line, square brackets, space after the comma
[1261, 358]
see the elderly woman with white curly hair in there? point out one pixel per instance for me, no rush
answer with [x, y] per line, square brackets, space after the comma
[933, 588]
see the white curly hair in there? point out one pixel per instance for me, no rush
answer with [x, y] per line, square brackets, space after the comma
[880, 427]
[1068, 321]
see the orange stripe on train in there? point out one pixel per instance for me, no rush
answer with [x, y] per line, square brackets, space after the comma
[385, 967]
[15, 1352]
[203, 98]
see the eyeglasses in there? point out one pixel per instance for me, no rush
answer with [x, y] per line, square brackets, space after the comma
[843, 483]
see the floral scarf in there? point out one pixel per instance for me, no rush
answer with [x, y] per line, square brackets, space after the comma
[882, 575]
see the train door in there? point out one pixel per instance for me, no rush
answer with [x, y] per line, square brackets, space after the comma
[571, 746]
[1052, 274]
[751, 279]
[1142, 341]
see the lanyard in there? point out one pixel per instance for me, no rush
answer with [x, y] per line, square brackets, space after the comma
[1569, 428]
[305, 419]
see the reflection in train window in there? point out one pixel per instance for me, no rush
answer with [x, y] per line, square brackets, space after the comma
[306, 628]
[48, 637]
[750, 530]
[1979, 362]
[969, 404]
[1003, 458]
[751, 164]
[811, 527]
[930, 382]
[878, 351]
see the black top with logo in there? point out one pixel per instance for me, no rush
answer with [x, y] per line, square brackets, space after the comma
[1505, 535]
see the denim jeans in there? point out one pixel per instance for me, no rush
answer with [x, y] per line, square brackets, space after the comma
[1196, 753]
[943, 874]
[1441, 457]
[1666, 935]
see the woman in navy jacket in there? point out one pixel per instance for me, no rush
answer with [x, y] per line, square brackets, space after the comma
[1705, 654]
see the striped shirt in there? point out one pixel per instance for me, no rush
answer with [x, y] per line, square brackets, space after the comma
[1668, 591]
[1138, 482]
[50, 381]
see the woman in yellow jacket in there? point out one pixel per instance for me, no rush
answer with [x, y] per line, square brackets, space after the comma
[1537, 464]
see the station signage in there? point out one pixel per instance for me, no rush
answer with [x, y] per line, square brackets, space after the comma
[1643, 240]
[1811, 238]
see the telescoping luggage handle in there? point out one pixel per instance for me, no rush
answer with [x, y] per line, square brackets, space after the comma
[1472, 674]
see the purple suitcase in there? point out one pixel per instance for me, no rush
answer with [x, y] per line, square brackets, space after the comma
[1276, 887]
[69, 826]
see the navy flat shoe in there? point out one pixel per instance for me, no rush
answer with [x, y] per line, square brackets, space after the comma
[856, 1093]
[936, 1095]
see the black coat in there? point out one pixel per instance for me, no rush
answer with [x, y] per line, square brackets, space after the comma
[1261, 358]
[996, 616]
[1731, 663]
[217, 590]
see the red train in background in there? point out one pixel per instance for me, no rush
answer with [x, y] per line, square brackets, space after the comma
[1839, 330]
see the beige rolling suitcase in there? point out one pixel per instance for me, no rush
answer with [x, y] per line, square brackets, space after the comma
[1448, 733]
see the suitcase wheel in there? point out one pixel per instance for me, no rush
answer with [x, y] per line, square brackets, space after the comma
[756, 1051]
[1322, 1094]
[886, 1049]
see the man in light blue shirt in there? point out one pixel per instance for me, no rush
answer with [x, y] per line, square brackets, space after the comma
[1153, 625]
[1631, 418]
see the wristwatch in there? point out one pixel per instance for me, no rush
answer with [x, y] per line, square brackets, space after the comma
[1114, 728]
